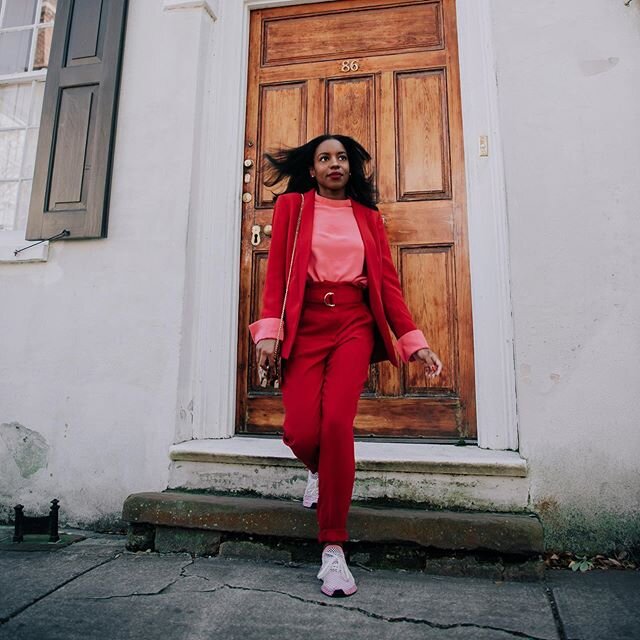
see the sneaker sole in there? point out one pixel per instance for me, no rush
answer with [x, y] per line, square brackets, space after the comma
[339, 593]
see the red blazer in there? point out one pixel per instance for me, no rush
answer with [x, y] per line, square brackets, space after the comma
[384, 293]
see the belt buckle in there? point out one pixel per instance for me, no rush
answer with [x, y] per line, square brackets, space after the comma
[326, 295]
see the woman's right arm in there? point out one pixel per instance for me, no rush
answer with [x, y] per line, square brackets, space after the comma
[265, 330]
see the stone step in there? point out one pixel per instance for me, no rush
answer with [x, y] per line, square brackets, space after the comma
[437, 475]
[208, 524]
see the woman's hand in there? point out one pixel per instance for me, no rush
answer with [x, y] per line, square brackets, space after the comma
[265, 353]
[432, 364]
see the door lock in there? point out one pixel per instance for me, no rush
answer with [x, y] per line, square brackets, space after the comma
[255, 235]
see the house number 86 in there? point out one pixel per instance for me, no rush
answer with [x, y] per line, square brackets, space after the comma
[349, 65]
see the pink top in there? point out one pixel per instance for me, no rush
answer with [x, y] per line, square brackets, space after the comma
[337, 251]
[337, 255]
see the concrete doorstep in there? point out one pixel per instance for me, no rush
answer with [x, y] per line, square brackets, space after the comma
[492, 545]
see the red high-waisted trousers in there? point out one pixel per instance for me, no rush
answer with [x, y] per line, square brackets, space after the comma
[323, 378]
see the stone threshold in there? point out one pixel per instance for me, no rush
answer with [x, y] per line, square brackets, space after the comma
[370, 456]
[447, 542]
[450, 530]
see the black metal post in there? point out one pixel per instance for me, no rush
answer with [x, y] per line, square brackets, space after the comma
[53, 521]
[18, 533]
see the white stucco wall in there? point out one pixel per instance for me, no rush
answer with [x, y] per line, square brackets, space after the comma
[569, 89]
[90, 339]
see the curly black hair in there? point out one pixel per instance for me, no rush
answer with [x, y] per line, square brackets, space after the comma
[293, 165]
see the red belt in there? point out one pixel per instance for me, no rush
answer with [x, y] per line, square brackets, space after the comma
[333, 293]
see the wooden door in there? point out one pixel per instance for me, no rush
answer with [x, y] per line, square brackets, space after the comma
[385, 73]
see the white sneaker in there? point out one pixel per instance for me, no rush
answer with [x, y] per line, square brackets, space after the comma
[310, 498]
[337, 579]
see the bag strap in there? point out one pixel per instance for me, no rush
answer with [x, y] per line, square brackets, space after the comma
[286, 290]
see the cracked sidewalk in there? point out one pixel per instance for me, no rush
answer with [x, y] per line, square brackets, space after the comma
[97, 589]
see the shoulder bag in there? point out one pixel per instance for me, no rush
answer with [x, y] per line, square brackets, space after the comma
[272, 376]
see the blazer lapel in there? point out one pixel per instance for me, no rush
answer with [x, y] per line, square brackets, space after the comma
[371, 256]
[303, 248]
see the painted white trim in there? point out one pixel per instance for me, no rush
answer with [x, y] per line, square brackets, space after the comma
[23, 77]
[33, 26]
[370, 456]
[206, 405]
[206, 388]
[488, 239]
[12, 240]
[210, 7]
[33, 117]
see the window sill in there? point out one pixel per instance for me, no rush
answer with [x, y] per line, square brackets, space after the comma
[370, 456]
[23, 77]
[210, 6]
[12, 240]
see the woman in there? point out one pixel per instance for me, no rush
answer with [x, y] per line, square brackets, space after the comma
[343, 294]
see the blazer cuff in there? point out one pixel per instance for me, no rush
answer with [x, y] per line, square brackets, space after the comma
[409, 343]
[266, 328]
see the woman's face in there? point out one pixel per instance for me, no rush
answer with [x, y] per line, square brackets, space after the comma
[331, 169]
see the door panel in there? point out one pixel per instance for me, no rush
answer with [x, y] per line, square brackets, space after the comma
[282, 122]
[349, 30]
[418, 268]
[422, 136]
[387, 75]
[350, 106]
[258, 278]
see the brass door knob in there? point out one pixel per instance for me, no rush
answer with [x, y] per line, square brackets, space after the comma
[247, 197]
[267, 230]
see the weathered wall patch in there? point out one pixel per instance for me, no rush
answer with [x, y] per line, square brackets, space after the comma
[27, 447]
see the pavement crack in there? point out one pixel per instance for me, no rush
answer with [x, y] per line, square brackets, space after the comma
[150, 593]
[555, 611]
[184, 566]
[379, 616]
[18, 611]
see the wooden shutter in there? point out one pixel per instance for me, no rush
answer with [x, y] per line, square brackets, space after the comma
[77, 127]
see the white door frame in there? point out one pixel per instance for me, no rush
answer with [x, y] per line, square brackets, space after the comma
[207, 384]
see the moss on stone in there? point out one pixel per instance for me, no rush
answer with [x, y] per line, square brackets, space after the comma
[567, 528]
